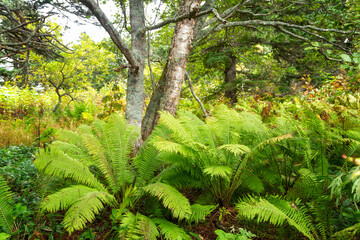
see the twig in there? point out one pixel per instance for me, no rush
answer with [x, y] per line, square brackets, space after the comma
[195, 96]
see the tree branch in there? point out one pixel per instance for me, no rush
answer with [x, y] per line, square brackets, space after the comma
[193, 14]
[114, 34]
[194, 95]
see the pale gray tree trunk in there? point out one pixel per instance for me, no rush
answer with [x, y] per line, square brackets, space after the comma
[135, 56]
[135, 84]
[167, 95]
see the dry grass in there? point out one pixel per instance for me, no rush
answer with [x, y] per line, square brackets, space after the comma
[25, 131]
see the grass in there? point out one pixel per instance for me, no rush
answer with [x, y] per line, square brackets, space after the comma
[28, 130]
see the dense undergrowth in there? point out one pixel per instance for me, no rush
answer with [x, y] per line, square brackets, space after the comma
[269, 168]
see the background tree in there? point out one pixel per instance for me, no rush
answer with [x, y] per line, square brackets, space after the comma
[23, 29]
[89, 65]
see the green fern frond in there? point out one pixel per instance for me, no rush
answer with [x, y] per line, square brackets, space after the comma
[55, 163]
[147, 163]
[171, 199]
[277, 211]
[199, 212]
[170, 231]
[71, 137]
[128, 226]
[236, 149]
[6, 209]
[173, 147]
[147, 228]
[218, 171]
[138, 227]
[175, 125]
[73, 151]
[347, 233]
[96, 149]
[63, 199]
[272, 141]
[253, 182]
[85, 208]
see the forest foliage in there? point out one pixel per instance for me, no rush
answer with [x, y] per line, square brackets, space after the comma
[264, 143]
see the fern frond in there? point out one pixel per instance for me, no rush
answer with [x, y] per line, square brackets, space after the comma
[138, 227]
[96, 149]
[175, 125]
[276, 211]
[56, 163]
[199, 212]
[147, 162]
[171, 199]
[253, 182]
[272, 141]
[170, 231]
[128, 226]
[71, 137]
[120, 139]
[73, 151]
[236, 149]
[147, 228]
[6, 209]
[218, 171]
[85, 208]
[63, 199]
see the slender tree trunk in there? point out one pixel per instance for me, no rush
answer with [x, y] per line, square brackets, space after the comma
[58, 104]
[167, 95]
[135, 84]
[230, 79]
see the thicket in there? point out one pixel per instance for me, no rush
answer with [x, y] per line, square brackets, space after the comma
[287, 163]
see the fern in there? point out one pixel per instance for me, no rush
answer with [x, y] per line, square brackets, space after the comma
[56, 163]
[170, 231]
[218, 171]
[277, 211]
[171, 198]
[122, 181]
[6, 209]
[199, 212]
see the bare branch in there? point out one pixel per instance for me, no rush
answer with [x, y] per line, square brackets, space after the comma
[218, 16]
[178, 19]
[195, 96]
[283, 24]
[114, 34]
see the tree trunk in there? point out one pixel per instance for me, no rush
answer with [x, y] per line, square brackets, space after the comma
[167, 95]
[58, 104]
[135, 56]
[230, 80]
[135, 84]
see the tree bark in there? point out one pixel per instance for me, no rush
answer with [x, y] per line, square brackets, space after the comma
[135, 56]
[167, 95]
[230, 79]
[135, 84]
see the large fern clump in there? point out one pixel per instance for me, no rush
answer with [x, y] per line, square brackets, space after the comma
[216, 155]
[96, 166]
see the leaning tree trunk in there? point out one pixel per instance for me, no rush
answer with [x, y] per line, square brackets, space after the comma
[135, 84]
[230, 80]
[167, 95]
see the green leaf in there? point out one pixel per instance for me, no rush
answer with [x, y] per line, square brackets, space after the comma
[315, 44]
[345, 57]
